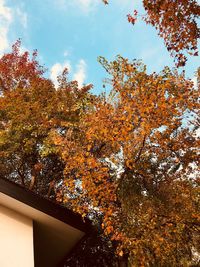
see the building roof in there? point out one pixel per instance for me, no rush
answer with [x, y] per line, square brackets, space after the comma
[56, 229]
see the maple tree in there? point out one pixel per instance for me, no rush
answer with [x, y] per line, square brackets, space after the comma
[176, 22]
[129, 161]
[134, 165]
[31, 108]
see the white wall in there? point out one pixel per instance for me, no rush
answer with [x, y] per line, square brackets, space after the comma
[16, 239]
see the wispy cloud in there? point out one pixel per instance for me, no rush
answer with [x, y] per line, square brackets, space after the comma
[23, 18]
[66, 53]
[154, 57]
[80, 73]
[6, 17]
[128, 3]
[194, 79]
[85, 6]
[57, 69]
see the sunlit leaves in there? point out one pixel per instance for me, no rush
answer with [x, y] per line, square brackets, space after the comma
[32, 114]
[128, 160]
[131, 161]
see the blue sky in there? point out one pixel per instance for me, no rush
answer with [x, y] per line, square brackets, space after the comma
[73, 33]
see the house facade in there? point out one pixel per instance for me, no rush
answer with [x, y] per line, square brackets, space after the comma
[35, 231]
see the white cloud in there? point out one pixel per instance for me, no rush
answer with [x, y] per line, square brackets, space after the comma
[23, 18]
[197, 133]
[80, 74]
[194, 79]
[66, 53]
[86, 6]
[149, 53]
[6, 17]
[57, 69]
[128, 3]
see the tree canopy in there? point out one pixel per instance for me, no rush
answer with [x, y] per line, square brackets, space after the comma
[31, 109]
[129, 160]
[135, 164]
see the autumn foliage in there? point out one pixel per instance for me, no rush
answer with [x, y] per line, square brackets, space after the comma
[31, 109]
[128, 160]
[176, 22]
[134, 164]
